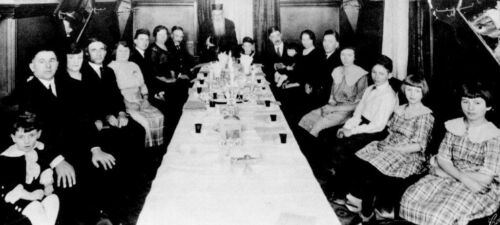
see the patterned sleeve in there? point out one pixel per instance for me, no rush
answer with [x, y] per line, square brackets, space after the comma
[444, 151]
[491, 165]
[422, 130]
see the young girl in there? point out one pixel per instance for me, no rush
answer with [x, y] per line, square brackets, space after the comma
[25, 181]
[464, 182]
[281, 75]
[381, 166]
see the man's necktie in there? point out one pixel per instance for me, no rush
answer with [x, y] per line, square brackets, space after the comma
[101, 71]
[52, 90]
[278, 51]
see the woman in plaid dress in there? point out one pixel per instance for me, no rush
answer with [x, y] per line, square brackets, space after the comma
[463, 183]
[135, 94]
[381, 166]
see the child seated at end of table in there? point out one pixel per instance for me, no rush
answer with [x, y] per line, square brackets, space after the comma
[281, 75]
[25, 181]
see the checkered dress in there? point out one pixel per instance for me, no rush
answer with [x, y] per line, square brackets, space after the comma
[152, 120]
[439, 200]
[401, 131]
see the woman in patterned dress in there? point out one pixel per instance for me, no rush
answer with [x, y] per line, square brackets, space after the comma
[464, 180]
[135, 94]
[349, 83]
[382, 166]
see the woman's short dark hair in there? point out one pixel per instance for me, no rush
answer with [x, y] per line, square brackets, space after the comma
[248, 39]
[385, 62]
[310, 33]
[476, 89]
[74, 49]
[158, 29]
[141, 31]
[27, 121]
[122, 43]
[416, 81]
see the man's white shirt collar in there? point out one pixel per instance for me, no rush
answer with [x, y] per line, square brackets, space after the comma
[48, 83]
[96, 67]
[142, 52]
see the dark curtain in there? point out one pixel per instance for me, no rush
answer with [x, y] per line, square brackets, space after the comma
[368, 41]
[419, 41]
[266, 14]
[204, 11]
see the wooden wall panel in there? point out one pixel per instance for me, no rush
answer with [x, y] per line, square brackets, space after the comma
[317, 16]
[148, 14]
[32, 32]
[8, 56]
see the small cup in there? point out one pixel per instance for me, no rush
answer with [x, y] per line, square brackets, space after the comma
[198, 90]
[202, 82]
[273, 117]
[283, 138]
[197, 128]
[268, 103]
[212, 104]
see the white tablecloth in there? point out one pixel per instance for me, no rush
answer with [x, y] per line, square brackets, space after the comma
[198, 184]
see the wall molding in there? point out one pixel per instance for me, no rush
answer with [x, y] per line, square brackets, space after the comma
[297, 3]
[17, 11]
[163, 3]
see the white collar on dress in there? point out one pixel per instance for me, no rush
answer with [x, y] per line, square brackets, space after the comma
[356, 73]
[13, 151]
[421, 110]
[475, 134]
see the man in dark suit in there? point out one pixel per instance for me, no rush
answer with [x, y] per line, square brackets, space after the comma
[118, 162]
[216, 35]
[331, 61]
[274, 54]
[181, 65]
[138, 55]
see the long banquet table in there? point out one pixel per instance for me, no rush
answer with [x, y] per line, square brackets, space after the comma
[197, 183]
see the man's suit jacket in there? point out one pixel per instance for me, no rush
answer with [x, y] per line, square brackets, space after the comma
[326, 81]
[180, 59]
[102, 91]
[226, 42]
[50, 111]
[148, 70]
[270, 58]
